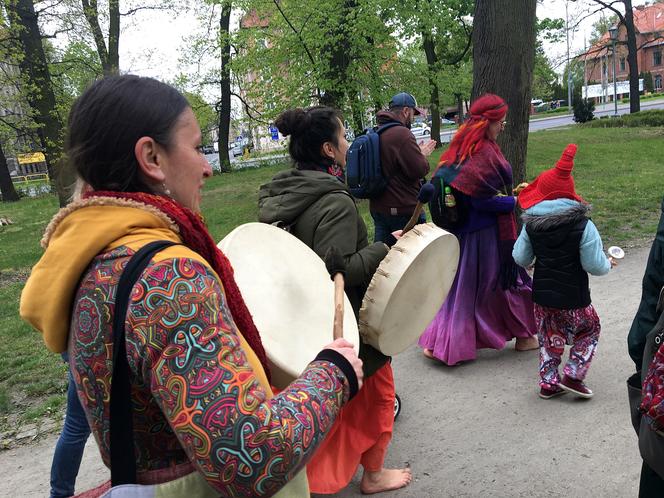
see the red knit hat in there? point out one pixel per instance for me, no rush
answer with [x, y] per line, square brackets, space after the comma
[555, 183]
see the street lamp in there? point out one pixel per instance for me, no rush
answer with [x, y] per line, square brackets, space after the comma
[613, 33]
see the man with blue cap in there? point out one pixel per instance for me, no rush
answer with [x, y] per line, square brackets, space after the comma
[404, 164]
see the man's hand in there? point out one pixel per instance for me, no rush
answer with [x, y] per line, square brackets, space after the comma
[427, 147]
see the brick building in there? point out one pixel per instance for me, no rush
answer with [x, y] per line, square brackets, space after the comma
[649, 24]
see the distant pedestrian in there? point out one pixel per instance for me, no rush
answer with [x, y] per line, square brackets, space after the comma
[405, 165]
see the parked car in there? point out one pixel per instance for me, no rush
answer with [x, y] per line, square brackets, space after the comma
[207, 149]
[445, 121]
[420, 130]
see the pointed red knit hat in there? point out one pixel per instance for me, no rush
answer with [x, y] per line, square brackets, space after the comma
[555, 183]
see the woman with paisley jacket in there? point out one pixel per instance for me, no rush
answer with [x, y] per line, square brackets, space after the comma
[205, 421]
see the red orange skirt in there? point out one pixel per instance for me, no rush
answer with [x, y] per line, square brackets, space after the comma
[360, 435]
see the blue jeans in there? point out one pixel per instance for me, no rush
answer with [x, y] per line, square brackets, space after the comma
[385, 224]
[70, 446]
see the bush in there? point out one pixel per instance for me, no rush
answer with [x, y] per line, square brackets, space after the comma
[638, 119]
[584, 110]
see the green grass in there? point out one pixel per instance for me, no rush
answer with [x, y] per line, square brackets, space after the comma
[618, 170]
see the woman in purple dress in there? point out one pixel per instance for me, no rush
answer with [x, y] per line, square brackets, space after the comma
[490, 301]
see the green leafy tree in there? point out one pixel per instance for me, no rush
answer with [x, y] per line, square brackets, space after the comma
[443, 30]
[334, 52]
[544, 77]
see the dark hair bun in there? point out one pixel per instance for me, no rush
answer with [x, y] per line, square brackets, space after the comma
[290, 121]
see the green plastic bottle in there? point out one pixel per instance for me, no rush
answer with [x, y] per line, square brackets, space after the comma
[450, 201]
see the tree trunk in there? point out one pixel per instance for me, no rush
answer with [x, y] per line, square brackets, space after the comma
[336, 50]
[91, 13]
[434, 100]
[6, 185]
[356, 107]
[225, 87]
[460, 111]
[39, 92]
[113, 65]
[504, 56]
[632, 59]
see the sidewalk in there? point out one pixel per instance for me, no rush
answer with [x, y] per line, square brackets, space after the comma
[479, 429]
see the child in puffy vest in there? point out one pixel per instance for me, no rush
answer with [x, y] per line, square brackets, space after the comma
[565, 245]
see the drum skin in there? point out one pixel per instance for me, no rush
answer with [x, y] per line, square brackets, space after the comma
[290, 296]
[408, 288]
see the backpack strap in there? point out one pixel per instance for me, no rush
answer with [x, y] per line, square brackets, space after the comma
[123, 459]
[380, 129]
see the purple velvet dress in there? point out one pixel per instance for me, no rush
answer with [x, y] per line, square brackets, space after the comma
[478, 313]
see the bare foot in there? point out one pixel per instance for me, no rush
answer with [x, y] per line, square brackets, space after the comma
[526, 343]
[385, 480]
[428, 353]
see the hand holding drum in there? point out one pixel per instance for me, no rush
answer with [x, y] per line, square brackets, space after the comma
[425, 195]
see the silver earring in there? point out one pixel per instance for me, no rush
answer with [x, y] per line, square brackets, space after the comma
[165, 189]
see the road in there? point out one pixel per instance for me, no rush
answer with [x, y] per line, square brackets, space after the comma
[567, 119]
[479, 429]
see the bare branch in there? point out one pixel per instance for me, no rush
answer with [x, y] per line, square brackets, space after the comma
[133, 11]
[299, 37]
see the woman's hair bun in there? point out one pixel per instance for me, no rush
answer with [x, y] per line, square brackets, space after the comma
[290, 121]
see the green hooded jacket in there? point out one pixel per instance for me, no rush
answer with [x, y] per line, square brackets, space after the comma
[319, 210]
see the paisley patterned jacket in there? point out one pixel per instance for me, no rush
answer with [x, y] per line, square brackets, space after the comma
[197, 398]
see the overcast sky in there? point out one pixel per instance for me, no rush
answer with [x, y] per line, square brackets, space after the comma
[154, 43]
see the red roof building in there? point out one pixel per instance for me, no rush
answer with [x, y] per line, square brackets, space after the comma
[649, 25]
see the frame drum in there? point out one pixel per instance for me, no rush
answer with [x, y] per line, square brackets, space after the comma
[290, 295]
[408, 288]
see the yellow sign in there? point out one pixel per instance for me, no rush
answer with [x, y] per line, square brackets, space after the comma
[31, 157]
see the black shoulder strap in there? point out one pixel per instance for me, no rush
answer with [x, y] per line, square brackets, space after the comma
[123, 459]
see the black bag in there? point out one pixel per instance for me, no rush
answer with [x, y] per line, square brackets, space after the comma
[445, 216]
[651, 439]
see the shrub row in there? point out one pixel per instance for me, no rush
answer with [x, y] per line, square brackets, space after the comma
[643, 118]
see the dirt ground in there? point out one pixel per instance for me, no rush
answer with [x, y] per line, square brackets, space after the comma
[479, 429]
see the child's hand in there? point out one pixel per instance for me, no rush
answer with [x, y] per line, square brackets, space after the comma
[520, 187]
[613, 262]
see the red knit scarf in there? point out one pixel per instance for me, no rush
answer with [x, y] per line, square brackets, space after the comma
[196, 237]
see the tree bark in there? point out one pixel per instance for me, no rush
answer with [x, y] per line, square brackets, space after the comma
[632, 51]
[108, 56]
[434, 100]
[39, 92]
[503, 60]
[337, 52]
[224, 107]
[114, 37]
[460, 112]
[632, 59]
[7, 189]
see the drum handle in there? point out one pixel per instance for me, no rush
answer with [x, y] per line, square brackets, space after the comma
[338, 328]
[423, 197]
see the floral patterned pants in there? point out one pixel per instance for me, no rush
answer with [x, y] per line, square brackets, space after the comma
[556, 328]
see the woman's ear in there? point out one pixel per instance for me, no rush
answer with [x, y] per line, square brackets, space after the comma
[328, 149]
[150, 158]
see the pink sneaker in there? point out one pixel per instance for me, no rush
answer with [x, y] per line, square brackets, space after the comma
[546, 393]
[575, 386]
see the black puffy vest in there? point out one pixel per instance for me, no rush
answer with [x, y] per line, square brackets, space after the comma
[559, 281]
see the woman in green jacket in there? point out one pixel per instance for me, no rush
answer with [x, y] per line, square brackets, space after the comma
[313, 201]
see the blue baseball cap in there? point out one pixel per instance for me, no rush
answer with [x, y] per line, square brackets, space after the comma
[405, 99]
